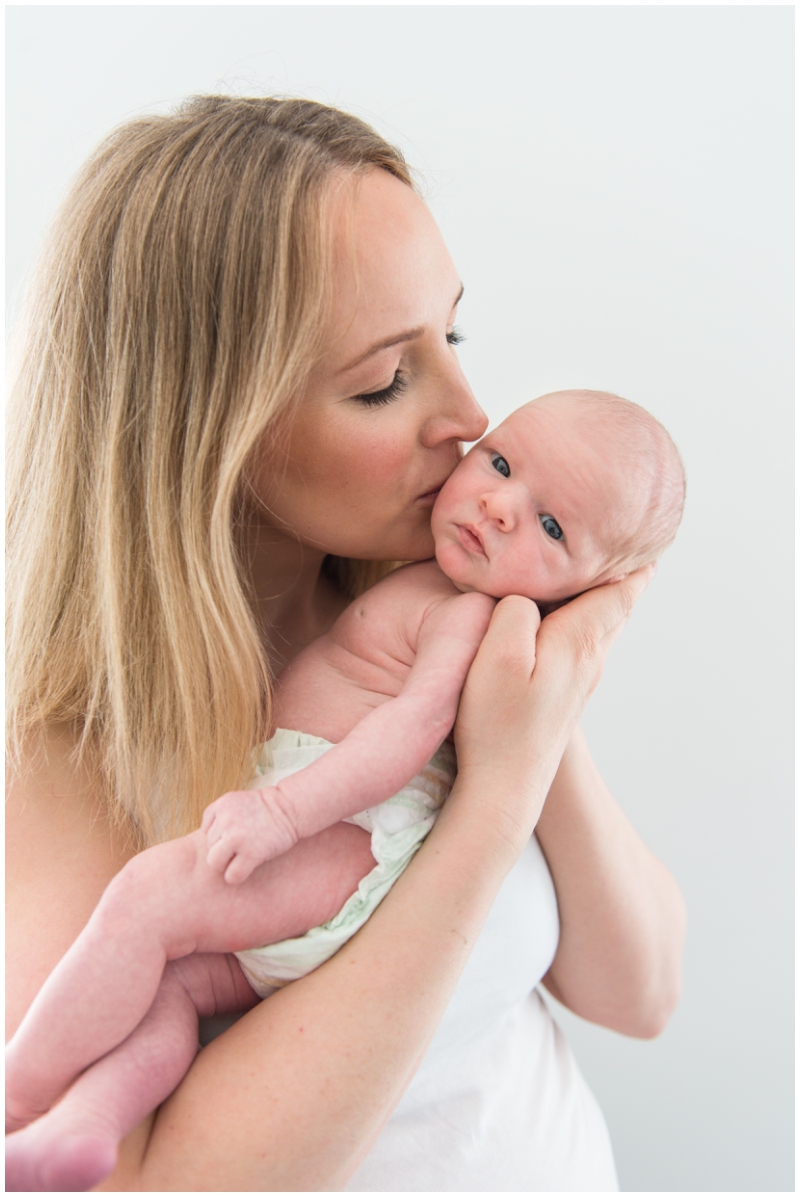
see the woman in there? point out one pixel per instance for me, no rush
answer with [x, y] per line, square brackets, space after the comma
[241, 389]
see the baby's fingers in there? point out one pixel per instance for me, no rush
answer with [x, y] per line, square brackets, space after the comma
[209, 816]
[239, 869]
[220, 855]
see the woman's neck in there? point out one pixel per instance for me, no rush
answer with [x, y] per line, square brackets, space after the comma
[294, 602]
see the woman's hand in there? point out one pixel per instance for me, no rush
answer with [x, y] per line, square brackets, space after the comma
[293, 1096]
[622, 917]
[526, 690]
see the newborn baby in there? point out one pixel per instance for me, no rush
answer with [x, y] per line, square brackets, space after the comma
[573, 490]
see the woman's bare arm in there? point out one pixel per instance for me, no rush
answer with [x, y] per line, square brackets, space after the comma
[622, 915]
[294, 1095]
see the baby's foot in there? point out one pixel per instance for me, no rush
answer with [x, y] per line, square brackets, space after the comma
[16, 1121]
[30, 1094]
[41, 1161]
[20, 1112]
[246, 828]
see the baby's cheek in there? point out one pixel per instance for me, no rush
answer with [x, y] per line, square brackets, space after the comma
[452, 561]
[526, 576]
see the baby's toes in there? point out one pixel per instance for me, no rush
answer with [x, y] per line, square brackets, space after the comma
[42, 1163]
[20, 1112]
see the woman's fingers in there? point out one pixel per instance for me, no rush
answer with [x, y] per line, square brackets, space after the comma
[591, 623]
[531, 679]
[510, 640]
[609, 606]
[493, 707]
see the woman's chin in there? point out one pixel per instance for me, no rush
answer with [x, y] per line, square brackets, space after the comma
[418, 547]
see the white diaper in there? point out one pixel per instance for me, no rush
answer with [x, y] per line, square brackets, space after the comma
[398, 827]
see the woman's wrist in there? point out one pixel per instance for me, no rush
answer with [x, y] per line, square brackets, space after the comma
[530, 682]
[402, 965]
[622, 916]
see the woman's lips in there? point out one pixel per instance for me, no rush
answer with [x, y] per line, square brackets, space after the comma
[470, 540]
[429, 498]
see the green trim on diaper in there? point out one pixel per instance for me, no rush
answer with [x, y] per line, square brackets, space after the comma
[398, 827]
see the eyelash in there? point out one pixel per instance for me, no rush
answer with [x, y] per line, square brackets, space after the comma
[379, 398]
[400, 382]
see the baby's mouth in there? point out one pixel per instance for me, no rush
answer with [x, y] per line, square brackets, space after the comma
[470, 540]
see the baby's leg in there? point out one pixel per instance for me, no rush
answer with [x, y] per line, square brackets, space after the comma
[165, 904]
[74, 1146]
[105, 984]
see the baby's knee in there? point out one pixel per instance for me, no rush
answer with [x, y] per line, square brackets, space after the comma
[150, 881]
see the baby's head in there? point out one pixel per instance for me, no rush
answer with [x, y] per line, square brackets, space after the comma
[574, 489]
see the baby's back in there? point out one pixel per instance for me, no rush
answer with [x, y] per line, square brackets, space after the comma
[365, 658]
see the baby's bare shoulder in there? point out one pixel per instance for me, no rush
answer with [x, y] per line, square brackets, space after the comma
[418, 582]
[399, 602]
[366, 656]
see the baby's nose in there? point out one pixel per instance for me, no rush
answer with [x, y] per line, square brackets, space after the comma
[499, 507]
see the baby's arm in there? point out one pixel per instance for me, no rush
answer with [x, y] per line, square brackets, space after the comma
[378, 757]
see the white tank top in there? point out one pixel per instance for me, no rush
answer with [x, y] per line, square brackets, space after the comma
[498, 1103]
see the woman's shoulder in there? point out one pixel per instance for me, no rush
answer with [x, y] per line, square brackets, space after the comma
[61, 852]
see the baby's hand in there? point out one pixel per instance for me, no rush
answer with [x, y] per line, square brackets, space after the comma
[246, 828]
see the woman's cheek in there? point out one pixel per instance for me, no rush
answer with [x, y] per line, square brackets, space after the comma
[386, 468]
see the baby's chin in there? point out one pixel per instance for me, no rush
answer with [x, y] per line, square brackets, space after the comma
[472, 581]
[469, 577]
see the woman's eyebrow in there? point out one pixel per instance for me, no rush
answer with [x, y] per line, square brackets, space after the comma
[386, 343]
[395, 339]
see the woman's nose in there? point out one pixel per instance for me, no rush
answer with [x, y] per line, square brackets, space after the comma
[458, 416]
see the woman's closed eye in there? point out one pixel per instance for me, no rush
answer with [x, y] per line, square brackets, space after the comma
[455, 336]
[551, 527]
[387, 394]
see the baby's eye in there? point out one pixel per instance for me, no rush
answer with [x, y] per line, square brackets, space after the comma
[501, 465]
[551, 527]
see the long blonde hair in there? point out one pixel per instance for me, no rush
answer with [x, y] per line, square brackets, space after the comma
[175, 315]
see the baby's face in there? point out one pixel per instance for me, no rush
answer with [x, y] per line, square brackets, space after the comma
[532, 508]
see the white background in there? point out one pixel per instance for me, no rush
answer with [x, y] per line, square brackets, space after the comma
[615, 184]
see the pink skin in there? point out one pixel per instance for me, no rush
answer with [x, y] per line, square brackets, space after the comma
[387, 676]
[384, 686]
[559, 470]
[128, 992]
[491, 529]
[354, 476]
[384, 457]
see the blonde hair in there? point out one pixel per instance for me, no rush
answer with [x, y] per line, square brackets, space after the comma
[175, 315]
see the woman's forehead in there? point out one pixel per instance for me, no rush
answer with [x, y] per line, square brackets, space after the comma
[391, 270]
